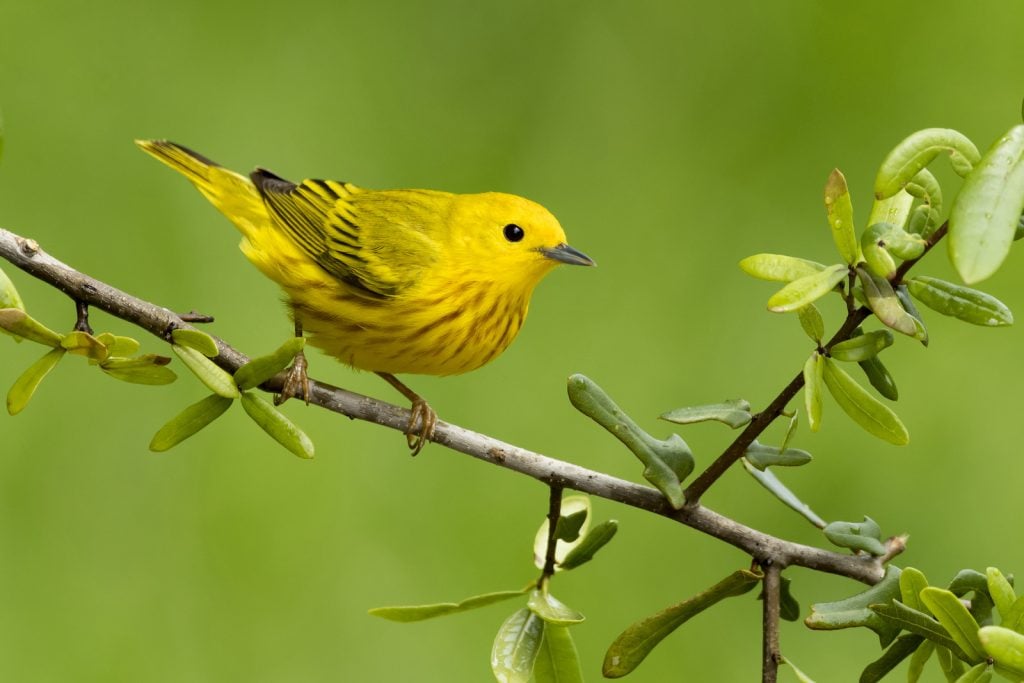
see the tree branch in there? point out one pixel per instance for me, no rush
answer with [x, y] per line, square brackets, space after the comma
[26, 255]
[770, 595]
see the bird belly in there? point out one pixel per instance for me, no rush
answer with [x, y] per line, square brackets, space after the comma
[421, 333]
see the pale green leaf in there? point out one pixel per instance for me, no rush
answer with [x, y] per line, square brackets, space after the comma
[1001, 591]
[884, 303]
[761, 456]
[273, 422]
[148, 369]
[983, 220]
[84, 344]
[912, 582]
[25, 386]
[779, 268]
[919, 659]
[813, 378]
[21, 324]
[800, 675]
[864, 536]
[259, 370]
[195, 339]
[862, 407]
[771, 482]
[840, 217]
[637, 641]
[188, 422]
[807, 290]
[9, 297]
[552, 610]
[571, 506]
[215, 378]
[594, 540]
[855, 611]
[918, 150]
[557, 661]
[979, 673]
[734, 412]
[410, 613]
[516, 647]
[861, 347]
[1004, 646]
[811, 322]
[898, 615]
[952, 614]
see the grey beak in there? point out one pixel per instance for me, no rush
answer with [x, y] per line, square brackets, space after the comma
[566, 254]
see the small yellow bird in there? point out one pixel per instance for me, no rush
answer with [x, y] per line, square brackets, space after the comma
[392, 281]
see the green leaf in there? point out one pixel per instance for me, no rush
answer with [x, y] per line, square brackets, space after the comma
[666, 463]
[903, 294]
[840, 217]
[259, 370]
[952, 614]
[951, 665]
[1014, 617]
[899, 616]
[557, 661]
[768, 480]
[854, 611]
[568, 526]
[9, 297]
[807, 290]
[800, 675]
[814, 370]
[979, 673]
[280, 428]
[905, 245]
[984, 217]
[585, 550]
[925, 187]
[734, 412]
[1004, 646]
[149, 369]
[862, 347]
[919, 659]
[969, 305]
[571, 506]
[25, 386]
[188, 422]
[912, 582]
[118, 347]
[84, 344]
[21, 324]
[864, 536]
[636, 642]
[902, 647]
[811, 322]
[790, 430]
[779, 268]
[197, 340]
[863, 408]
[410, 613]
[894, 210]
[762, 456]
[216, 379]
[516, 647]
[1001, 591]
[879, 377]
[917, 151]
[878, 259]
[552, 610]
[884, 303]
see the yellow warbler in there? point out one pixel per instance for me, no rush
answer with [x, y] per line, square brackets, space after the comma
[393, 281]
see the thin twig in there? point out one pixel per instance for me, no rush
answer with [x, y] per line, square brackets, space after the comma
[772, 585]
[25, 254]
[554, 514]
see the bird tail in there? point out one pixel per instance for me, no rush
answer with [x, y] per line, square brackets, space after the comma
[232, 193]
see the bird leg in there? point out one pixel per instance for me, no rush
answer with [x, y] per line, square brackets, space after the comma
[421, 412]
[296, 382]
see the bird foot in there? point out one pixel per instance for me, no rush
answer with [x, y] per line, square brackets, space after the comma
[427, 418]
[296, 382]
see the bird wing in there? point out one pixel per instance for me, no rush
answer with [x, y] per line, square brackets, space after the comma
[380, 242]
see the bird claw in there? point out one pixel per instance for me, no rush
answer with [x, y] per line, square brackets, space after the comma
[427, 418]
[296, 382]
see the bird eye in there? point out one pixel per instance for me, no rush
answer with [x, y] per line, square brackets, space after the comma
[513, 233]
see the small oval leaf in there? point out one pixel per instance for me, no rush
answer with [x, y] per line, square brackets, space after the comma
[969, 305]
[516, 647]
[952, 614]
[149, 369]
[862, 407]
[273, 422]
[884, 303]
[761, 456]
[840, 217]
[1004, 646]
[196, 339]
[215, 378]
[734, 412]
[864, 536]
[813, 373]
[188, 422]
[557, 661]
[862, 347]
[21, 324]
[84, 344]
[810, 320]
[1001, 591]
[983, 220]
[571, 506]
[778, 267]
[25, 386]
[9, 297]
[552, 610]
[807, 290]
[879, 377]
[593, 541]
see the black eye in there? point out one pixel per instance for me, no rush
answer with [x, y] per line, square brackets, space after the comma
[513, 233]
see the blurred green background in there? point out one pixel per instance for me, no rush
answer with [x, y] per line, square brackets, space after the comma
[671, 139]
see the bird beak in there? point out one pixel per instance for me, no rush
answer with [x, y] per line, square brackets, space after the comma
[566, 254]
